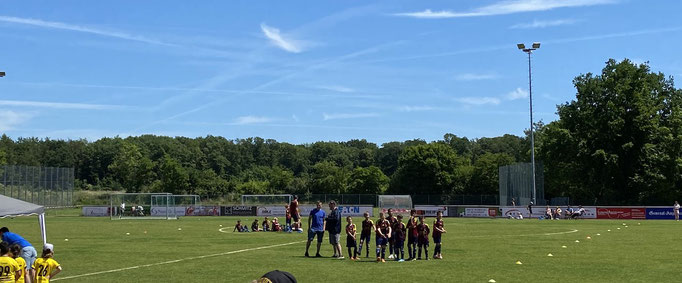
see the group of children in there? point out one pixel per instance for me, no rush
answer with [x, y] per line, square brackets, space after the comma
[13, 267]
[391, 231]
[267, 226]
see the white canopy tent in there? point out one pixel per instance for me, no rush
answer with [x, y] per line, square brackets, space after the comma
[11, 207]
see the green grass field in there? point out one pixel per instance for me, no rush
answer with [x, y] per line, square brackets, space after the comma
[475, 250]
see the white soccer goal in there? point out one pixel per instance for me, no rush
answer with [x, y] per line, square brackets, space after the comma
[266, 199]
[144, 206]
[395, 201]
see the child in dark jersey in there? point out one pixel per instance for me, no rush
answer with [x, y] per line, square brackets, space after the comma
[391, 240]
[412, 235]
[367, 227]
[399, 230]
[350, 239]
[438, 230]
[287, 227]
[254, 226]
[266, 224]
[423, 238]
[383, 232]
[238, 226]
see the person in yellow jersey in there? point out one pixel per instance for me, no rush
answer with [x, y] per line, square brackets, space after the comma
[15, 250]
[9, 269]
[45, 267]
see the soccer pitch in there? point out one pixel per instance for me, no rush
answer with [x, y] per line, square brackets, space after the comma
[193, 249]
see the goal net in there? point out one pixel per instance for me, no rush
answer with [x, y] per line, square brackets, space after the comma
[266, 199]
[395, 201]
[144, 206]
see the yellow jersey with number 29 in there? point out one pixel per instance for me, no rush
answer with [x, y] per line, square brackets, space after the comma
[8, 268]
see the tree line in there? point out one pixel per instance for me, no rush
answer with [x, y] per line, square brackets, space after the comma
[618, 142]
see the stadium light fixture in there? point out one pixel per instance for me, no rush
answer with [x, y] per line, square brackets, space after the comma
[523, 48]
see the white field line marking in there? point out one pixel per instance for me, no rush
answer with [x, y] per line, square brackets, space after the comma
[520, 235]
[175, 261]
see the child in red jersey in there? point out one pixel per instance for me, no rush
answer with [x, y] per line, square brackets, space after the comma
[238, 226]
[266, 224]
[399, 230]
[391, 240]
[350, 238]
[412, 235]
[438, 230]
[423, 238]
[367, 227]
[383, 232]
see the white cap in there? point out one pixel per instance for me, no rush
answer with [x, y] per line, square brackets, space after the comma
[48, 247]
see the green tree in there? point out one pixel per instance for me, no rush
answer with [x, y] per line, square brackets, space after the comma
[623, 133]
[431, 169]
[131, 169]
[174, 178]
[328, 178]
[485, 178]
[367, 180]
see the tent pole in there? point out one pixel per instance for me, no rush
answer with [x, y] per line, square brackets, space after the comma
[43, 232]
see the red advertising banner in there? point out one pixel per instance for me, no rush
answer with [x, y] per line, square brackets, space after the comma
[621, 213]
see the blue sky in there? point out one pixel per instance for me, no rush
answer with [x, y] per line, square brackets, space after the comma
[305, 71]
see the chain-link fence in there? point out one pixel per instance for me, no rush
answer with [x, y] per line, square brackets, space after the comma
[516, 184]
[416, 199]
[48, 186]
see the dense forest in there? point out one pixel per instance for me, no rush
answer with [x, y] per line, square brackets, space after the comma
[618, 142]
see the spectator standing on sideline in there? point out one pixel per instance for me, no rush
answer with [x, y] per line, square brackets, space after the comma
[28, 252]
[334, 228]
[530, 210]
[316, 227]
[676, 210]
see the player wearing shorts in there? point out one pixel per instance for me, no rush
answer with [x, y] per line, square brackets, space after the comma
[676, 210]
[366, 234]
[295, 215]
[287, 228]
[316, 227]
[423, 238]
[399, 230]
[350, 239]
[412, 235]
[391, 240]
[438, 230]
[383, 232]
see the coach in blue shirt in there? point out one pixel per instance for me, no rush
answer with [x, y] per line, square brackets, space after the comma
[316, 226]
[28, 252]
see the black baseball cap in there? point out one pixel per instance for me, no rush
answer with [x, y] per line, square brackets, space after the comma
[277, 276]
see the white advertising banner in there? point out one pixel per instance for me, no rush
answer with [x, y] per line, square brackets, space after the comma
[476, 212]
[346, 210]
[539, 211]
[202, 211]
[96, 211]
[161, 210]
[430, 210]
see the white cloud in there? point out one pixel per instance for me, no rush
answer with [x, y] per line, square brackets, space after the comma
[506, 7]
[415, 108]
[246, 120]
[280, 41]
[544, 24]
[518, 93]
[335, 116]
[60, 105]
[478, 100]
[10, 119]
[70, 27]
[475, 77]
[336, 88]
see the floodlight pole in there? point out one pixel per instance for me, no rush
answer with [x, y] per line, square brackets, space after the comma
[529, 51]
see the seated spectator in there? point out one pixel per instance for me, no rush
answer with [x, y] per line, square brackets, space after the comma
[275, 225]
[569, 212]
[238, 226]
[254, 226]
[557, 213]
[578, 213]
[266, 224]
[548, 213]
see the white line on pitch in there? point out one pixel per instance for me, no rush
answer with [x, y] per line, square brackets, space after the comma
[174, 261]
[519, 235]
